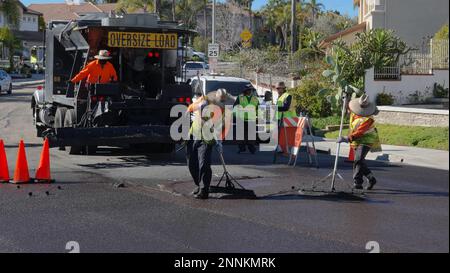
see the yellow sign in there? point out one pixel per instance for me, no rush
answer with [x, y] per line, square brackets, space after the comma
[142, 40]
[246, 35]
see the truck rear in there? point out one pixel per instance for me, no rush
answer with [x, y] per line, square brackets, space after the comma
[135, 110]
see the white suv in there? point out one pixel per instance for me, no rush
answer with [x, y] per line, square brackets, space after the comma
[192, 69]
[5, 82]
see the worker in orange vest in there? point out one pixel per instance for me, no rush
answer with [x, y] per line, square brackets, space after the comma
[363, 137]
[98, 71]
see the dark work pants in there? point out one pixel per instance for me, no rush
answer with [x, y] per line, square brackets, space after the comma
[360, 168]
[198, 156]
[249, 126]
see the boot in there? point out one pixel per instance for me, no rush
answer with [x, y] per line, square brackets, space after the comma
[372, 182]
[203, 194]
[196, 190]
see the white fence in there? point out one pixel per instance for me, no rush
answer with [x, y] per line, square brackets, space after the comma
[434, 55]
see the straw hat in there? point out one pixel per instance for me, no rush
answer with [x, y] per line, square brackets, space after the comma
[362, 106]
[215, 97]
[103, 55]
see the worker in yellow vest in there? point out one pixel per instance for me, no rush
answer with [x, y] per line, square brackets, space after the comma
[363, 136]
[199, 147]
[286, 105]
[249, 101]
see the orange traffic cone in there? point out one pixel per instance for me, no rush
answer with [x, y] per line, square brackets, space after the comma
[21, 174]
[4, 171]
[43, 170]
[351, 155]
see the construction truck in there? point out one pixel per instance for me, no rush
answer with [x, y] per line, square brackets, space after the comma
[147, 54]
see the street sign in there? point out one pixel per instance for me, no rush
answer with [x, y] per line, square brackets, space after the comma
[213, 50]
[246, 35]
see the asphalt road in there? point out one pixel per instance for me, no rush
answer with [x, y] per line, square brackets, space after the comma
[408, 212]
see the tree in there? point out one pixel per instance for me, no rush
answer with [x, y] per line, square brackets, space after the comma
[187, 10]
[314, 7]
[373, 49]
[133, 5]
[442, 33]
[9, 41]
[11, 11]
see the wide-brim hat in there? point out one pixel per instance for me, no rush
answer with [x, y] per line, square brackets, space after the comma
[103, 55]
[280, 85]
[362, 106]
[214, 97]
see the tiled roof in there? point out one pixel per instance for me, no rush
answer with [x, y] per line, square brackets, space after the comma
[63, 11]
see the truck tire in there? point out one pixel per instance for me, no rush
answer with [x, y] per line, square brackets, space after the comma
[69, 120]
[59, 121]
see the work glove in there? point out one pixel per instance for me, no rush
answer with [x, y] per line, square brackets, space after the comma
[219, 146]
[342, 139]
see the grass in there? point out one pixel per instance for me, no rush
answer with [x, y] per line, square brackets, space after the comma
[416, 136]
[321, 123]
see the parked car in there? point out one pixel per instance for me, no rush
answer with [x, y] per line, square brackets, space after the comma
[202, 85]
[192, 69]
[199, 55]
[5, 82]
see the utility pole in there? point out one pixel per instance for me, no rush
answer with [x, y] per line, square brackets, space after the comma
[213, 23]
[293, 26]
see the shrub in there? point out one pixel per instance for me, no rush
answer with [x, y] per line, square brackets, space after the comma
[385, 99]
[440, 91]
[308, 98]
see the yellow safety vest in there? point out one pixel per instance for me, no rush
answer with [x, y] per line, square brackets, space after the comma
[291, 112]
[252, 104]
[370, 137]
[197, 126]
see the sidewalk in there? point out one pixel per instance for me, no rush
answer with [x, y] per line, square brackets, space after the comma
[430, 158]
[34, 80]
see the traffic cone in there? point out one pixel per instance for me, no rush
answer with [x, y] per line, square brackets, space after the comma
[21, 174]
[4, 171]
[351, 155]
[43, 170]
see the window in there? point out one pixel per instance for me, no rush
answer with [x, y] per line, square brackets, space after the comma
[233, 88]
[194, 66]
[29, 19]
[34, 19]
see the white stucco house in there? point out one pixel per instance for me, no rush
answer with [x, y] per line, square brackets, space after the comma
[27, 31]
[415, 22]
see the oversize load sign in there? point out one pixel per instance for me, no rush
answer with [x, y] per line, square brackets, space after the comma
[142, 40]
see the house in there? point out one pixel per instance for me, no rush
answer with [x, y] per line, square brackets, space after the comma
[413, 79]
[414, 21]
[70, 9]
[27, 31]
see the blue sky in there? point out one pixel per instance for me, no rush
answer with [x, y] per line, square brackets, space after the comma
[344, 6]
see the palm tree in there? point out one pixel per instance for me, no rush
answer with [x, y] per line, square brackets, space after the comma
[315, 8]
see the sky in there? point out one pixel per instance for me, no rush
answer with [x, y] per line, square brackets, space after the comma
[343, 6]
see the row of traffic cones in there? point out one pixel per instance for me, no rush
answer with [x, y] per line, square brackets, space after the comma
[21, 173]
